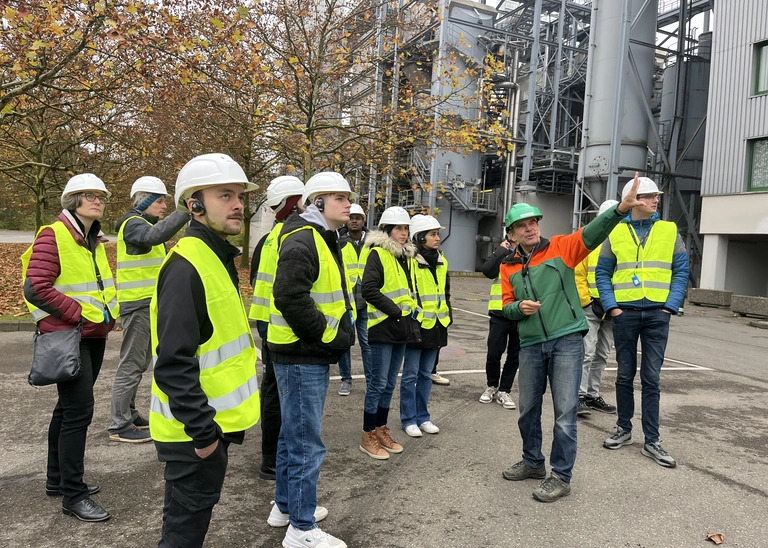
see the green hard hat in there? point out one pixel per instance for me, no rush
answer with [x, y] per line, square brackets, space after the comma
[519, 212]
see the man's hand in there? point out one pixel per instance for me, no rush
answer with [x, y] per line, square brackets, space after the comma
[529, 307]
[205, 452]
[631, 200]
[505, 244]
[616, 312]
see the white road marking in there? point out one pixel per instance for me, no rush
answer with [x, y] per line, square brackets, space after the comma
[469, 312]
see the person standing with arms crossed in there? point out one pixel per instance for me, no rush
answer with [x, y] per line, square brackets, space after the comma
[205, 392]
[310, 327]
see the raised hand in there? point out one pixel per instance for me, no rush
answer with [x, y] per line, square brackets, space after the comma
[631, 200]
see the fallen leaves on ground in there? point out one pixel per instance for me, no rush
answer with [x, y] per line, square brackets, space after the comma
[12, 286]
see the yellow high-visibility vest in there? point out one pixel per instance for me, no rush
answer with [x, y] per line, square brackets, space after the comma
[494, 300]
[395, 287]
[137, 274]
[432, 295]
[651, 263]
[227, 360]
[78, 278]
[354, 265]
[265, 277]
[591, 264]
[327, 292]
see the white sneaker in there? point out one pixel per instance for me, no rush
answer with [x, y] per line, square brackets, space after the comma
[437, 378]
[314, 538]
[413, 431]
[487, 396]
[505, 399]
[429, 428]
[278, 519]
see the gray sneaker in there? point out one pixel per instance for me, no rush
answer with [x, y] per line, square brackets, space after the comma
[552, 489]
[345, 388]
[583, 408]
[619, 439]
[521, 471]
[656, 452]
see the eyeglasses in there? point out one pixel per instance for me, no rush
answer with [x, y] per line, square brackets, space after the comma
[649, 197]
[91, 197]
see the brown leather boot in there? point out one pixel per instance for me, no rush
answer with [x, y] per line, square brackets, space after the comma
[386, 441]
[370, 445]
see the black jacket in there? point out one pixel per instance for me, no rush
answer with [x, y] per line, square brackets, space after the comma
[347, 240]
[297, 270]
[396, 329]
[141, 237]
[437, 336]
[491, 268]
[183, 325]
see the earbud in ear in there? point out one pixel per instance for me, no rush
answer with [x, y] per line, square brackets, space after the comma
[320, 204]
[198, 207]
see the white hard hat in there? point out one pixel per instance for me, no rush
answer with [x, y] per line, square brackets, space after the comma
[283, 187]
[606, 205]
[150, 184]
[206, 171]
[647, 186]
[395, 216]
[356, 209]
[424, 223]
[83, 183]
[327, 182]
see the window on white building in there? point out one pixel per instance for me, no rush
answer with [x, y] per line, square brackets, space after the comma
[761, 68]
[758, 164]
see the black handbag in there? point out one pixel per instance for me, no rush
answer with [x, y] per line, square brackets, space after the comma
[56, 357]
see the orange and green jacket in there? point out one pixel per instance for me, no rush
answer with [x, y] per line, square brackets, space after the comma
[549, 279]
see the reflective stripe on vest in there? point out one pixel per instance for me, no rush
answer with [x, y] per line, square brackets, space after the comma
[395, 287]
[227, 361]
[432, 295]
[77, 277]
[327, 292]
[136, 274]
[262, 290]
[651, 263]
[591, 264]
[494, 300]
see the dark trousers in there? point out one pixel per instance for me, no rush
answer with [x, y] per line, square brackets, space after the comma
[502, 334]
[69, 425]
[270, 404]
[192, 489]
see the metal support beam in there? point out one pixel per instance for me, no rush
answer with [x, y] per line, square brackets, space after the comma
[556, 78]
[533, 70]
[618, 107]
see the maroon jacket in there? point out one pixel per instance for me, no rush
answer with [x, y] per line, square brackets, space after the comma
[44, 268]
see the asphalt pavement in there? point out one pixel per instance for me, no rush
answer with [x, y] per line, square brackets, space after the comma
[444, 490]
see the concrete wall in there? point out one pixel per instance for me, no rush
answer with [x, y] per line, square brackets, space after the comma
[557, 212]
[736, 214]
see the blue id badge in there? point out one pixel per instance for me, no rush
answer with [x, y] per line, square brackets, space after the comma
[352, 318]
[106, 316]
[415, 313]
[636, 280]
[439, 302]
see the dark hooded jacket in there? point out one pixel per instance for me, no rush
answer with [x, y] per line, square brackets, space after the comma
[396, 329]
[298, 267]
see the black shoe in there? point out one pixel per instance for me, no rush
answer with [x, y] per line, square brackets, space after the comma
[599, 404]
[141, 423]
[268, 472]
[86, 510]
[54, 491]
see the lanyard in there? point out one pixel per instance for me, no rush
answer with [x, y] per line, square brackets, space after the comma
[640, 244]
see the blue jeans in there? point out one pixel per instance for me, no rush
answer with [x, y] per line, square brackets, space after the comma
[651, 326]
[416, 385]
[300, 449]
[345, 362]
[386, 360]
[560, 362]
